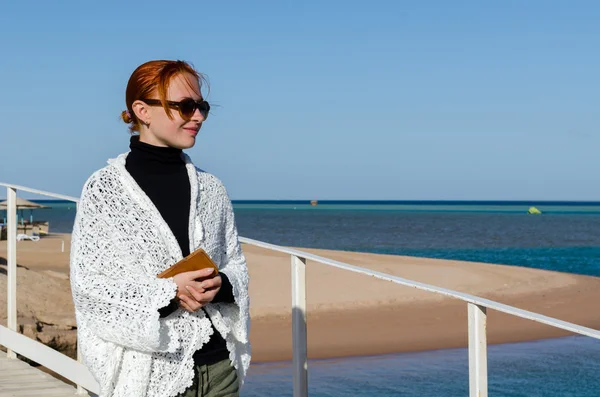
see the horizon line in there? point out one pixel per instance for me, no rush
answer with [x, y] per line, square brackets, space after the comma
[395, 201]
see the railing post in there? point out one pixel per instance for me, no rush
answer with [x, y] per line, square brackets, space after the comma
[299, 358]
[11, 237]
[80, 389]
[478, 379]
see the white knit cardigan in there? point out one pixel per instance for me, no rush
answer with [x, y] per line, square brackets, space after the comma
[120, 243]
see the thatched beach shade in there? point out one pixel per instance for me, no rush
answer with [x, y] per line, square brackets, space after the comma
[21, 205]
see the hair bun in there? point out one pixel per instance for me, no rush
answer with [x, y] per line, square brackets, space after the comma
[126, 116]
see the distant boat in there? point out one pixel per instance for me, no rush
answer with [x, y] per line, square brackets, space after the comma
[533, 210]
[314, 202]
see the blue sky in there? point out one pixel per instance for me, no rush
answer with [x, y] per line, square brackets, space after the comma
[319, 99]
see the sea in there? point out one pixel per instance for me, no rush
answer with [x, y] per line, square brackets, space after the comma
[565, 237]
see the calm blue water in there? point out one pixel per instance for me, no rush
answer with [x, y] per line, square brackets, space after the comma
[563, 242]
[560, 367]
[565, 238]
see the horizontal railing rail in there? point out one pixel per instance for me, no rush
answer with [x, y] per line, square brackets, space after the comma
[40, 192]
[430, 288]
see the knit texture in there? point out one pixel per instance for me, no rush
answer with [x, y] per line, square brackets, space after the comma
[120, 243]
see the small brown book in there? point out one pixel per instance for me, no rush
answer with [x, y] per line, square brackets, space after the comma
[197, 260]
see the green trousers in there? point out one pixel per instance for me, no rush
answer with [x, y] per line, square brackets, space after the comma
[214, 380]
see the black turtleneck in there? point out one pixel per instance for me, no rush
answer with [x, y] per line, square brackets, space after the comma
[162, 175]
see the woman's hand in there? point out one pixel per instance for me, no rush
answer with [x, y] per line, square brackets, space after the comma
[189, 278]
[193, 295]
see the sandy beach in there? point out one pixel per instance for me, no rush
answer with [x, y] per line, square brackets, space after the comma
[348, 314]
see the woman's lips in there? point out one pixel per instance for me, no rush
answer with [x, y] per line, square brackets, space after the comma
[191, 130]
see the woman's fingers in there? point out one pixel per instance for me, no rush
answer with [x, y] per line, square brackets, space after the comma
[194, 293]
[186, 307]
[207, 297]
[189, 304]
[212, 282]
[196, 274]
[198, 298]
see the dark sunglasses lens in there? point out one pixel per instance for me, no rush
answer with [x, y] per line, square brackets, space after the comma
[187, 107]
[204, 108]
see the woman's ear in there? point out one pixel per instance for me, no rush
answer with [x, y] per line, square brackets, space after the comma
[142, 111]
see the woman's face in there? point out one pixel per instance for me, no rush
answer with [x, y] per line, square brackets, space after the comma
[177, 132]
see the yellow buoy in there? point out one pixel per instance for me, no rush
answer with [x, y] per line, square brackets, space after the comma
[533, 210]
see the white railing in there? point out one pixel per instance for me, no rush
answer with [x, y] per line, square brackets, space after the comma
[10, 338]
[477, 318]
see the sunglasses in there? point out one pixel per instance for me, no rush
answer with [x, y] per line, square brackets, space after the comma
[186, 107]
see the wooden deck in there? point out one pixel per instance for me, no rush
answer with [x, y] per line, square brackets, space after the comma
[18, 378]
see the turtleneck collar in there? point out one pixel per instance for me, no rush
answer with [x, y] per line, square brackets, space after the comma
[154, 160]
[153, 156]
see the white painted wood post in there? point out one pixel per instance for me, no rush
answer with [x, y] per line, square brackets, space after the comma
[478, 378]
[80, 390]
[11, 237]
[299, 344]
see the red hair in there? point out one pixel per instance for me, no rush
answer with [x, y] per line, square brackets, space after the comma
[150, 77]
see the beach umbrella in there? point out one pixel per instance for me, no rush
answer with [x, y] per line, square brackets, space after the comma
[21, 205]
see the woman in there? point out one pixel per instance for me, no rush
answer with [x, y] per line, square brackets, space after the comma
[140, 335]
